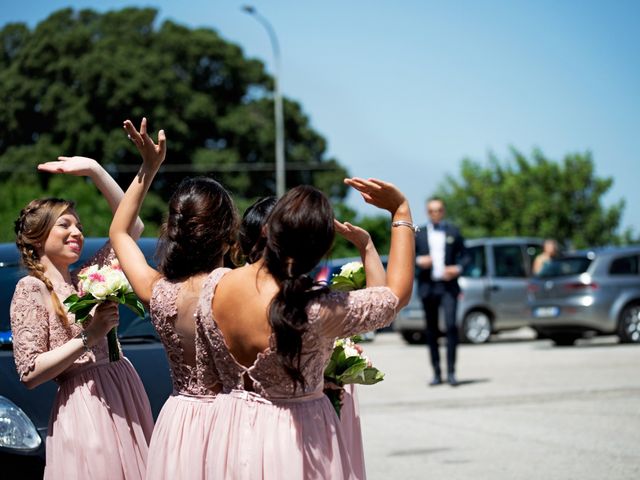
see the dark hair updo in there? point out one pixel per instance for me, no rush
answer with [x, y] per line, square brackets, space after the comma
[201, 227]
[300, 232]
[252, 240]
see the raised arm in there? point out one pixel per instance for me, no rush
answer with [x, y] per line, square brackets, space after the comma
[88, 167]
[400, 266]
[139, 273]
[373, 268]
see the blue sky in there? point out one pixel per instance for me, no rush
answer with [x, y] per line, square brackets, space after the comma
[404, 90]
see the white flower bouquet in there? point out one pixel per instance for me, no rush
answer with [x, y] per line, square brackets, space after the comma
[348, 364]
[97, 285]
[351, 277]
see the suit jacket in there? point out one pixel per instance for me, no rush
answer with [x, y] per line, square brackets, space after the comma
[455, 253]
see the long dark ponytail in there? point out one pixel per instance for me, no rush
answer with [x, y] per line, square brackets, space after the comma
[300, 232]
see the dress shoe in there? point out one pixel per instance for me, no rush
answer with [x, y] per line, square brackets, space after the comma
[437, 380]
[451, 379]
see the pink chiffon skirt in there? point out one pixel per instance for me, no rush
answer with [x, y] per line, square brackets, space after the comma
[100, 425]
[296, 439]
[181, 438]
[350, 423]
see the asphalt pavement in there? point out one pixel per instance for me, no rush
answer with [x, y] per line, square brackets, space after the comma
[524, 409]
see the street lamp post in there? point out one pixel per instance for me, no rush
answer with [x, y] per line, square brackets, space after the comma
[279, 118]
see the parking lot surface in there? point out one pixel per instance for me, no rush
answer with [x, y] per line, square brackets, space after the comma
[524, 409]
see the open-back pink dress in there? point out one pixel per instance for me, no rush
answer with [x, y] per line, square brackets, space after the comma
[101, 420]
[182, 436]
[275, 430]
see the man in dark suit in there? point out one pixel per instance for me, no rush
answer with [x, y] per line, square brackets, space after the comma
[440, 258]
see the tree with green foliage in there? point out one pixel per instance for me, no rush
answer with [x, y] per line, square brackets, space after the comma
[534, 197]
[67, 85]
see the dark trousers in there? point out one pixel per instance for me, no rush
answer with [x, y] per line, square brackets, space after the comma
[441, 295]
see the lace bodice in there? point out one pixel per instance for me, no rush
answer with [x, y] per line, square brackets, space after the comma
[332, 315]
[37, 329]
[187, 379]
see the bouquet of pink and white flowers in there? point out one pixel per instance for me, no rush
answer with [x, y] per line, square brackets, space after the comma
[348, 364]
[99, 284]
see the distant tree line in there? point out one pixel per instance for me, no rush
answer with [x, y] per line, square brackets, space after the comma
[67, 85]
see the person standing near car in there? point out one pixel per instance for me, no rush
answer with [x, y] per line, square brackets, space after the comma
[101, 421]
[550, 251]
[440, 259]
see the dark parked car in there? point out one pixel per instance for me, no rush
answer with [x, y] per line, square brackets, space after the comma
[24, 414]
[594, 291]
[494, 291]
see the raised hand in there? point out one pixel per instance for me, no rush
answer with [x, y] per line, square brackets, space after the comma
[152, 154]
[79, 166]
[381, 194]
[352, 233]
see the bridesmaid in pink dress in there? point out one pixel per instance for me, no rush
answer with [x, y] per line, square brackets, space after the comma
[252, 242]
[200, 229]
[101, 420]
[271, 332]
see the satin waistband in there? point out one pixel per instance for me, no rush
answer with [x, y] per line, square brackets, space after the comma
[255, 397]
[190, 397]
[69, 374]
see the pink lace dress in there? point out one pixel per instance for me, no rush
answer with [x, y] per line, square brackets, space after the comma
[277, 431]
[101, 420]
[352, 431]
[182, 432]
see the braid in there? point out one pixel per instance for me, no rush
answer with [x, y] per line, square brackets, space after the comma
[32, 228]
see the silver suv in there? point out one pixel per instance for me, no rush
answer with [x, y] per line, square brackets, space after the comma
[588, 292]
[494, 291]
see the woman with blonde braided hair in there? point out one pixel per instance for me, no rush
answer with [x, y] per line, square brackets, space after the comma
[101, 420]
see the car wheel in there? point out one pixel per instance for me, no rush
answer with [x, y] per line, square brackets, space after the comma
[629, 325]
[563, 339]
[413, 337]
[476, 327]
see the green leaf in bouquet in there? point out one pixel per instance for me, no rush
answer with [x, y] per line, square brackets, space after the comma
[342, 284]
[334, 397]
[348, 365]
[330, 369]
[80, 306]
[359, 279]
[132, 301]
[353, 374]
[372, 375]
[71, 299]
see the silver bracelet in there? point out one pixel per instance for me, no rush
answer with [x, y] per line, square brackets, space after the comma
[402, 223]
[85, 341]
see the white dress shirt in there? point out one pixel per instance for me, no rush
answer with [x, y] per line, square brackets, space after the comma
[437, 244]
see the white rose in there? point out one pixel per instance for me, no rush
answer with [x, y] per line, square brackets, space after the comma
[115, 280]
[100, 290]
[350, 268]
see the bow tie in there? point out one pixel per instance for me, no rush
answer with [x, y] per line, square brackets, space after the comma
[438, 226]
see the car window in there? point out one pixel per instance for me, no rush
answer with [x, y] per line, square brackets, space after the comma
[9, 276]
[624, 265]
[509, 261]
[477, 267]
[565, 266]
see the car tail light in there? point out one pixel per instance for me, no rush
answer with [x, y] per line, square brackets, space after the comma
[322, 274]
[577, 286]
[533, 288]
